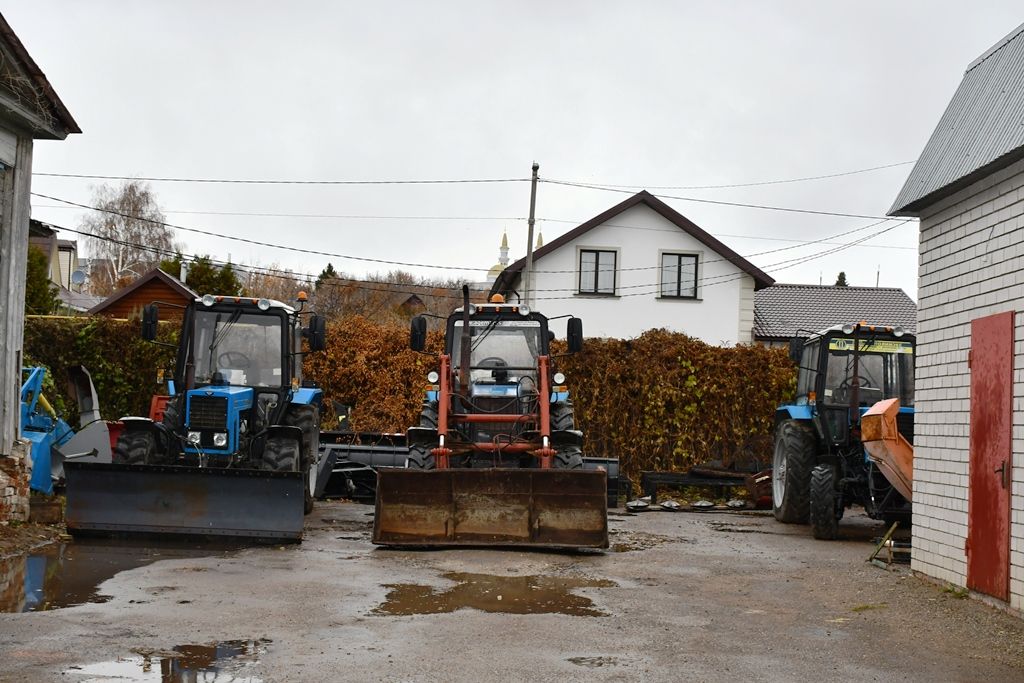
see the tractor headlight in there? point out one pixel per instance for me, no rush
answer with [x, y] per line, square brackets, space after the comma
[898, 331]
[524, 310]
[263, 304]
[559, 378]
[208, 300]
[193, 438]
[220, 439]
[848, 328]
[432, 377]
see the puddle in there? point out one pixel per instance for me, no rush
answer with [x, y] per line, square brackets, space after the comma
[630, 542]
[593, 662]
[225, 661]
[68, 574]
[487, 593]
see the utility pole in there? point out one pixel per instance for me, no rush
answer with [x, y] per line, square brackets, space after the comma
[528, 270]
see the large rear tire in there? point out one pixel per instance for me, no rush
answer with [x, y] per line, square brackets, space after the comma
[428, 415]
[793, 460]
[307, 418]
[824, 521]
[563, 416]
[420, 458]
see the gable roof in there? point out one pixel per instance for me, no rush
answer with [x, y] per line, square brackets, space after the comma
[155, 274]
[981, 131]
[783, 311]
[504, 281]
[57, 122]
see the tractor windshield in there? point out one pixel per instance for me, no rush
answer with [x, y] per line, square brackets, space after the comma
[503, 351]
[240, 349]
[884, 370]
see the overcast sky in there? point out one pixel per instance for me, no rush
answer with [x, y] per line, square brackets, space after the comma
[641, 94]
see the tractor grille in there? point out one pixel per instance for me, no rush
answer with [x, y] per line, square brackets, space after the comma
[486, 431]
[905, 425]
[208, 412]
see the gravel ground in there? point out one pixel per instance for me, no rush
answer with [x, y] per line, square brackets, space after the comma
[683, 596]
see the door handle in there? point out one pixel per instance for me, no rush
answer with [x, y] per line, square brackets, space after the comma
[1001, 471]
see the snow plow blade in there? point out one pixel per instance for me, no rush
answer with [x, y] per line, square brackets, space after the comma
[106, 499]
[491, 507]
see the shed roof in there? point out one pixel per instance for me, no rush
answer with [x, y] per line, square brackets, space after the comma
[155, 274]
[783, 311]
[981, 131]
[504, 281]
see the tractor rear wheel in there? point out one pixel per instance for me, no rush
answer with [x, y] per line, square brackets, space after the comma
[428, 415]
[281, 454]
[420, 458]
[307, 418]
[795, 453]
[824, 521]
[563, 417]
[137, 447]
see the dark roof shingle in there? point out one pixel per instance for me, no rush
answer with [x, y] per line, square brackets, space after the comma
[783, 311]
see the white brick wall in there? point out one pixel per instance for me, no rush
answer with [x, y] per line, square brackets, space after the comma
[971, 265]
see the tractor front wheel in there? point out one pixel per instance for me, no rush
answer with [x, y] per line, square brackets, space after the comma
[281, 454]
[795, 453]
[824, 521]
[136, 447]
[420, 458]
[568, 458]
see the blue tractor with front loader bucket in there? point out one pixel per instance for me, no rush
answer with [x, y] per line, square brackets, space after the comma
[237, 451]
[827, 455]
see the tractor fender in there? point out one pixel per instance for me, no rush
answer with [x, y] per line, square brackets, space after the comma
[144, 424]
[421, 435]
[287, 431]
[793, 412]
[308, 396]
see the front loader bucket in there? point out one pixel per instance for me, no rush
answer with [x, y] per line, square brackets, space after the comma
[191, 501]
[491, 507]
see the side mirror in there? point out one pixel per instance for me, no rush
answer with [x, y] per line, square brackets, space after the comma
[316, 333]
[418, 333]
[150, 318]
[796, 347]
[574, 335]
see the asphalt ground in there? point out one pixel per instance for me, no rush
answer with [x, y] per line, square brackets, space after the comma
[681, 596]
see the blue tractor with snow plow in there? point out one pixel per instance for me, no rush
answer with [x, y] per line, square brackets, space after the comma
[822, 464]
[236, 451]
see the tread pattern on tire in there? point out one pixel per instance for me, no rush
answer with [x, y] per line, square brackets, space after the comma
[568, 458]
[420, 458]
[281, 454]
[563, 417]
[824, 524]
[801, 452]
[306, 418]
[428, 415]
[134, 448]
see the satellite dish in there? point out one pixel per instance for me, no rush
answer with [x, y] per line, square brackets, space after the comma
[78, 277]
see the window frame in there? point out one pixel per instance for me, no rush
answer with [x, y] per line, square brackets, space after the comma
[579, 271]
[697, 260]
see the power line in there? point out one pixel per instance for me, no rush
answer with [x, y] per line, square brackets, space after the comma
[764, 207]
[254, 181]
[753, 184]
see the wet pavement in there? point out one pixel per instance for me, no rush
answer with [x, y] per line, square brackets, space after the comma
[702, 596]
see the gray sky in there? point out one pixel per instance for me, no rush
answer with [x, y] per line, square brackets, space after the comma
[638, 93]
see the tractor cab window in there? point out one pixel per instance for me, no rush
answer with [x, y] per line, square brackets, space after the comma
[885, 370]
[808, 373]
[240, 349]
[503, 351]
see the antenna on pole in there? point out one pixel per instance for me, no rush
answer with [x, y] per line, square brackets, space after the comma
[878, 275]
[528, 269]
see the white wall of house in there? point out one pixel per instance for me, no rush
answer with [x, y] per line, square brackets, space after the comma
[722, 313]
[971, 265]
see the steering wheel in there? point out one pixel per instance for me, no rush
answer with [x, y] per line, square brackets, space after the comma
[234, 359]
[492, 361]
[863, 382]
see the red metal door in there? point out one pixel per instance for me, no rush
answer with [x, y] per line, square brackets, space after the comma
[988, 516]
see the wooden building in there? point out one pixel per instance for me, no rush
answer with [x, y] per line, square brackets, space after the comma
[29, 110]
[153, 286]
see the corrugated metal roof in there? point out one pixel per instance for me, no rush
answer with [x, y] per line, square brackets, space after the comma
[784, 311]
[981, 131]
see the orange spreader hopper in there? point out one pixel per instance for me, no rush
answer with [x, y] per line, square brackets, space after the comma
[886, 446]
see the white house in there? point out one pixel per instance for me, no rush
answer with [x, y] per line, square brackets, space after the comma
[968, 190]
[640, 265]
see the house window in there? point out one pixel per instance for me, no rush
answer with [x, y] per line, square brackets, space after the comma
[679, 276]
[597, 271]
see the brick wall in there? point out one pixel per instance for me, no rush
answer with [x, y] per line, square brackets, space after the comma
[971, 265]
[15, 471]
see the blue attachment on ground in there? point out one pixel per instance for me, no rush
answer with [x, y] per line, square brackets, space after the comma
[42, 429]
